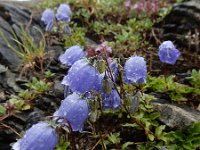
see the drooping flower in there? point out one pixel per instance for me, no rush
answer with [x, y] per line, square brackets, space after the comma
[111, 101]
[168, 53]
[75, 110]
[82, 76]
[48, 19]
[135, 70]
[71, 55]
[39, 137]
[63, 13]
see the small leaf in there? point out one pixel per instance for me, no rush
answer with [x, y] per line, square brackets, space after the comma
[125, 145]
[151, 137]
[114, 138]
[26, 107]
[159, 130]
[101, 66]
[106, 85]
[132, 125]
[2, 110]
[154, 115]
[195, 128]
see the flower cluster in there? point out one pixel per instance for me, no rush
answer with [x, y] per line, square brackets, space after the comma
[83, 83]
[91, 78]
[63, 15]
[83, 78]
[150, 7]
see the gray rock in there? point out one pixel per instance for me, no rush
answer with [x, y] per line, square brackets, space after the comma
[12, 19]
[176, 116]
[7, 56]
[11, 81]
[182, 23]
[8, 81]
[3, 68]
[34, 117]
[58, 88]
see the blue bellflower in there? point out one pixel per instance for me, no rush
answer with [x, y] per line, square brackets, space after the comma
[39, 137]
[75, 110]
[135, 70]
[111, 101]
[63, 13]
[48, 19]
[71, 55]
[82, 77]
[168, 53]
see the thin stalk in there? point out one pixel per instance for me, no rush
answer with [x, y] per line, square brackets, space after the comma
[101, 137]
[72, 136]
[9, 127]
[112, 78]
[138, 122]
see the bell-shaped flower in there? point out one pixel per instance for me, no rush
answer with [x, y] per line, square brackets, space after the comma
[48, 19]
[40, 136]
[63, 13]
[75, 110]
[135, 70]
[82, 76]
[71, 55]
[111, 101]
[168, 53]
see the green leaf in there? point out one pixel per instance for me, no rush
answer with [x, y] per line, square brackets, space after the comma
[49, 74]
[126, 145]
[20, 104]
[106, 85]
[64, 146]
[26, 107]
[159, 130]
[154, 115]
[114, 138]
[2, 110]
[196, 142]
[132, 125]
[195, 128]
[151, 137]
[177, 97]
[188, 145]
[101, 66]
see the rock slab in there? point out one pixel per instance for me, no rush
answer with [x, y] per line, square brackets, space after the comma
[176, 116]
